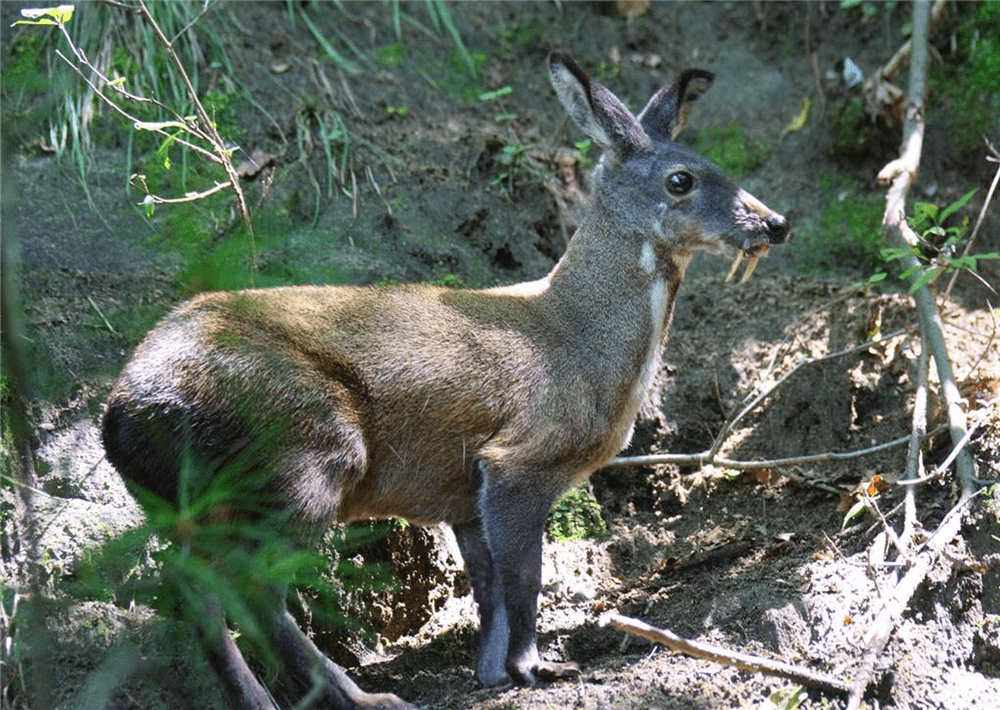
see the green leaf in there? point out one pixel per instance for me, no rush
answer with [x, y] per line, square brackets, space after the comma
[862, 504]
[493, 95]
[46, 15]
[957, 204]
[894, 253]
[925, 210]
[969, 262]
[925, 277]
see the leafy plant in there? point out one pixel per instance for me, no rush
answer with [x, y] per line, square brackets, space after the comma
[937, 251]
[185, 122]
[584, 148]
[510, 160]
[576, 516]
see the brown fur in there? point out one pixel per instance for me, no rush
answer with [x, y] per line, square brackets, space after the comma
[475, 408]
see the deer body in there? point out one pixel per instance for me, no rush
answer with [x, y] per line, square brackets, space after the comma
[475, 408]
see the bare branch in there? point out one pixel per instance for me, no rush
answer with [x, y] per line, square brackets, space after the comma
[132, 97]
[706, 458]
[189, 197]
[893, 607]
[206, 125]
[913, 457]
[718, 654]
[900, 174]
[767, 391]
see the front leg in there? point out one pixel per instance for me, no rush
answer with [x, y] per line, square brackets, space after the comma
[513, 521]
[486, 590]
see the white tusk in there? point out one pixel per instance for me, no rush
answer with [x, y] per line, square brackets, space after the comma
[751, 265]
[735, 266]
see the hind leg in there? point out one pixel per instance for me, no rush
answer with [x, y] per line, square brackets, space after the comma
[316, 675]
[240, 686]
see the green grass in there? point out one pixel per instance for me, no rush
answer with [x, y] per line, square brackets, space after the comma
[845, 235]
[731, 148]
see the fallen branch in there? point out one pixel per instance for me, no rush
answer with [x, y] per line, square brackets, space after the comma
[914, 456]
[894, 606]
[706, 458]
[718, 654]
[711, 456]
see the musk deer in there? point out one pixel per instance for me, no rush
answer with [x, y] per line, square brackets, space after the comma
[472, 407]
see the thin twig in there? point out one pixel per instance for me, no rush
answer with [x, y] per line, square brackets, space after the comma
[706, 458]
[150, 127]
[718, 654]
[893, 607]
[767, 391]
[189, 197]
[94, 305]
[913, 457]
[975, 230]
[207, 126]
[899, 175]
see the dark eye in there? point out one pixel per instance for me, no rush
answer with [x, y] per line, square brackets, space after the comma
[679, 183]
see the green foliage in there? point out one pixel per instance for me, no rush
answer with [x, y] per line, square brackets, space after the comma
[526, 31]
[940, 243]
[845, 234]
[449, 281]
[576, 516]
[390, 55]
[966, 89]
[731, 148]
[123, 51]
[511, 167]
[868, 8]
[982, 72]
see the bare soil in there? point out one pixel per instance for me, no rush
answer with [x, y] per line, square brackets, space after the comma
[759, 562]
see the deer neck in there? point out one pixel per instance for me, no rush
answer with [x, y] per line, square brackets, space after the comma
[614, 294]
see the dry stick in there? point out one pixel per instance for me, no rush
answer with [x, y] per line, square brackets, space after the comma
[207, 126]
[706, 458]
[767, 391]
[892, 67]
[913, 458]
[893, 607]
[899, 174]
[743, 661]
[711, 455]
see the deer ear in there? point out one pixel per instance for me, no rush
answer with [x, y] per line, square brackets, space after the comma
[665, 114]
[595, 110]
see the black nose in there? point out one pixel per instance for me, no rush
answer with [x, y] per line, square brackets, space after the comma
[777, 227]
